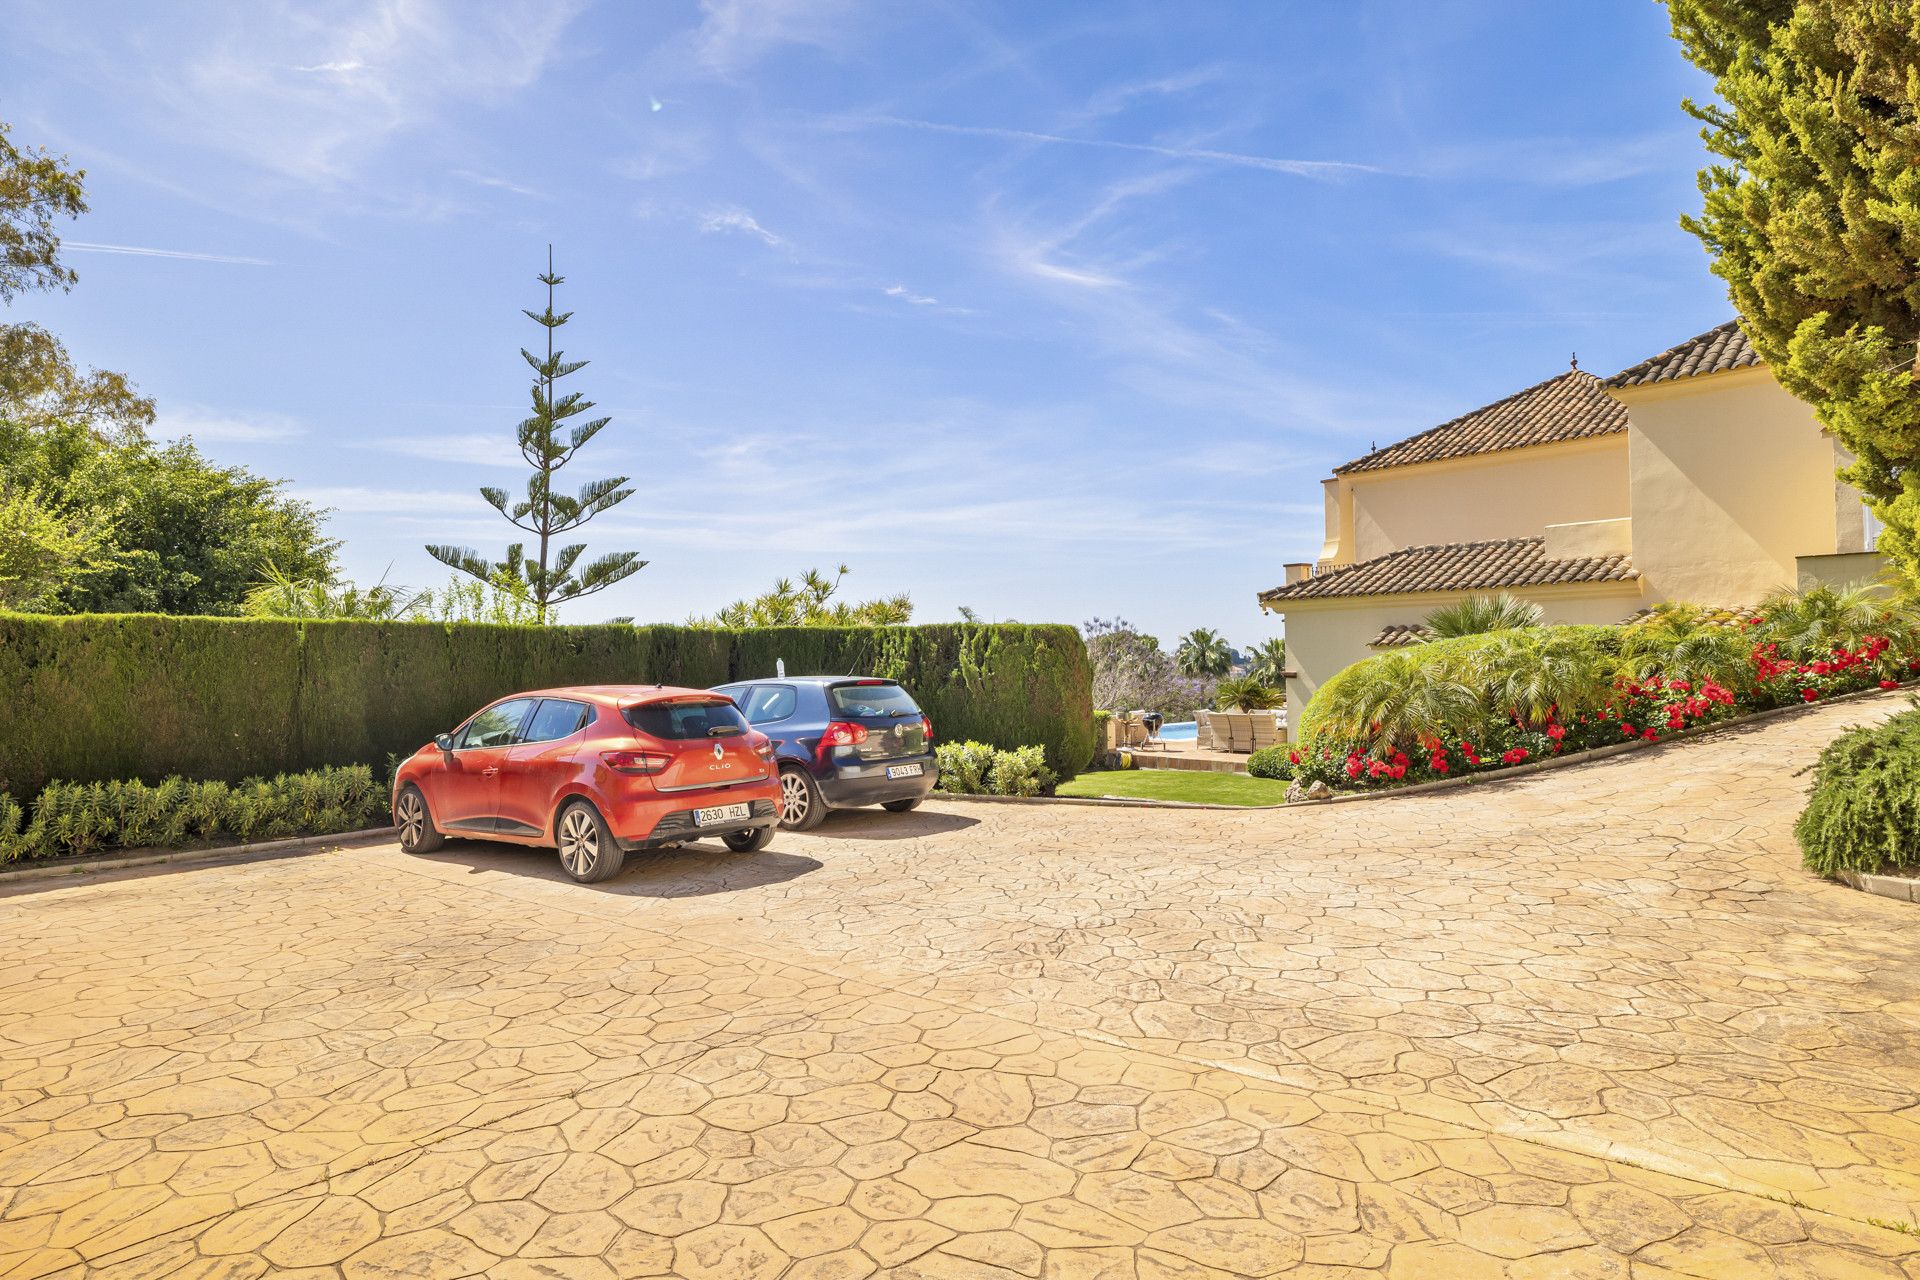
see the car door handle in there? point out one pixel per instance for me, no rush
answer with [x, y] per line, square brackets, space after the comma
[490, 770]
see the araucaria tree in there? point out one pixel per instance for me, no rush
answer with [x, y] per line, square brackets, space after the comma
[552, 574]
[1813, 218]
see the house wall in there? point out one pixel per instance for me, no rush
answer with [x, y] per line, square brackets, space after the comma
[1732, 481]
[1515, 494]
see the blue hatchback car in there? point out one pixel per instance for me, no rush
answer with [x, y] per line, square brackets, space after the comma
[840, 742]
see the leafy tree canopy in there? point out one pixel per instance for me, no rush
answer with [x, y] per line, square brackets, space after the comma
[40, 384]
[1813, 217]
[35, 189]
[1203, 652]
[810, 603]
[168, 531]
[1268, 663]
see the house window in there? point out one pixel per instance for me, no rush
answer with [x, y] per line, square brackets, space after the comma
[1870, 527]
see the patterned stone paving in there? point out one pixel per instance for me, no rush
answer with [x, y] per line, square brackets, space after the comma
[1594, 1023]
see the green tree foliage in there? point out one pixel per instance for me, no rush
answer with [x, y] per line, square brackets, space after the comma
[1813, 217]
[553, 574]
[1477, 615]
[284, 596]
[810, 603]
[171, 531]
[40, 385]
[35, 189]
[1131, 672]
[45, 549]
[1269, 662]
[1202, 652]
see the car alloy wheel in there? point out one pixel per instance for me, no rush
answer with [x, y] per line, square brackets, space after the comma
[417, 834]
[796, 801]
[579, 842]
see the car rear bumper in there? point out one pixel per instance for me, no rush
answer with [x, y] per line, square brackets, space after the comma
[665, 819]
[851, 785]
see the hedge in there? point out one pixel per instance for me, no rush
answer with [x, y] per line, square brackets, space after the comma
[1864, 813]
[145, 696]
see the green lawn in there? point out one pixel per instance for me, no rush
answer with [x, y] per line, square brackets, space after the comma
[1190, 785]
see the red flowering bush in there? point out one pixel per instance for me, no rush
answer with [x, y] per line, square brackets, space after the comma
[1476, 703]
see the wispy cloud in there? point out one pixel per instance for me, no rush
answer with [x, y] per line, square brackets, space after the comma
[203, 424]
[905, 294]
[498, 184]
[739, 220]
[471, 448]
[1204, 155]
[367, 499]
[735, 33]
[142, 251]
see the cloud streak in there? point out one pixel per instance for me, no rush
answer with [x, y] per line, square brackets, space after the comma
[1204, 155]
[142, 251]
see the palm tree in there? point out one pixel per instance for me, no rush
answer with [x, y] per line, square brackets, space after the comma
[1478, 614]
[1269, 665]
[1808, 624]
[1203, 653]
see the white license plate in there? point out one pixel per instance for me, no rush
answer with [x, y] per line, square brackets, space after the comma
[721, 813]
[903, 771]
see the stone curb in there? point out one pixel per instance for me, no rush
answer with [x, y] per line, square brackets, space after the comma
[1470, 780]
[80, 866]
[1899, 888]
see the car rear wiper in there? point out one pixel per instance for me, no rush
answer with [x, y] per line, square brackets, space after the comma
[723, 731]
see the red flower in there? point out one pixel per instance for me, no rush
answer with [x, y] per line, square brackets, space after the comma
[1809, 695]
[1555, 732]
[1629, 730]
[1823, 668]
[1514, 756]
[1652, 734]
[1353, 765]
[1889, 684]
[1439, 762]
[1293, 757]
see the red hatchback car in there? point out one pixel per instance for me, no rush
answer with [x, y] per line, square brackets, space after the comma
[595, 772]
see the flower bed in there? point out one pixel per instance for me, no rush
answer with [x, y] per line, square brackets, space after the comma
[1482, 703]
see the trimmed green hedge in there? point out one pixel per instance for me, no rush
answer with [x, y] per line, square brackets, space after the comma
[1864, 814]
[122, 696]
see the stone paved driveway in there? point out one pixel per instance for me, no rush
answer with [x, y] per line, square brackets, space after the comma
[1594, 1023]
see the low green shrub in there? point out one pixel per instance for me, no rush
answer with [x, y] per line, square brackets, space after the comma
[1270, 762]
[1864, 814]
[974, 768]
[71, 819]
[964, 767]
[1021, 772]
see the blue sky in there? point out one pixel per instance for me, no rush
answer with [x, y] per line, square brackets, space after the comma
[1052, 311]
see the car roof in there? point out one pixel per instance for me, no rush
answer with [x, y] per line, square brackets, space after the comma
[848, 679]
[616, 695]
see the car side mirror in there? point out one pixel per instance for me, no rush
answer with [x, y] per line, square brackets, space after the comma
[444, 741]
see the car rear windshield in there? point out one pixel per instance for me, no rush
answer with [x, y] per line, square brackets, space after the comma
[677, 720]
[872, 700]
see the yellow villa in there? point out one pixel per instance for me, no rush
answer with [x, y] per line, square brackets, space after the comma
[1691, 476]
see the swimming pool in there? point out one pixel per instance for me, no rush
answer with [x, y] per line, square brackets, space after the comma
[1185, 731]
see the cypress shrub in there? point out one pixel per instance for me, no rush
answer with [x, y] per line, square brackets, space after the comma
[143, 696]
[1864, 814]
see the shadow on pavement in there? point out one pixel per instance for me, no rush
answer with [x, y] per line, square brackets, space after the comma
[878, 824]
[691, 871]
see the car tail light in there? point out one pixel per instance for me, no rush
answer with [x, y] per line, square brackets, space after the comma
[841, 734]
[763, 746]
[647, 763]
[926, 725]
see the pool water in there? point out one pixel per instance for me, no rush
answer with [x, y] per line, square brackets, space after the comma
[1185, 731]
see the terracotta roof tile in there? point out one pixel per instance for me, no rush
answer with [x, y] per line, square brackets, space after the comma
[1571, 406]
[1399, 635]
[1717, 350]
[1455, 566]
